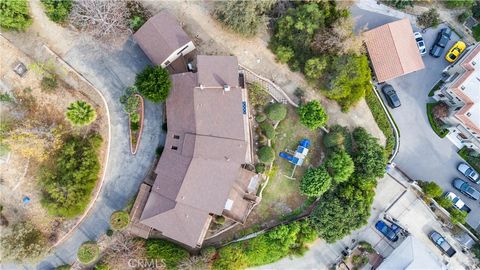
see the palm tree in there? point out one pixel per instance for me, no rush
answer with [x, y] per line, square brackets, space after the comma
[80, 113]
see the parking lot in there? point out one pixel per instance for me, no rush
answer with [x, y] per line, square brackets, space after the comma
[423, 155]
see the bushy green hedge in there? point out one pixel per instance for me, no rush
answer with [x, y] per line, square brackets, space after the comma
[170, 253]
[154, 83]
[119, 220]
[57, 10]
[88, 252]
[382, 120]
[15, 15]
[268, 130]
[67, 184]
[266, 154]
[266, 248]
[276, 112]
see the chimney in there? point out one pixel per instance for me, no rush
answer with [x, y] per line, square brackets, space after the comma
[226, 87]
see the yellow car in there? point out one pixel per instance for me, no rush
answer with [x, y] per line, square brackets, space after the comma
[455, 51]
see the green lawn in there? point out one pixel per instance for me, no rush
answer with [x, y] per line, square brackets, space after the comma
[441, 132]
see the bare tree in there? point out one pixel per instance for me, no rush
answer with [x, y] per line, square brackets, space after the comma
[103, 19]
[123, 248]
[440, 110]
[340, 39]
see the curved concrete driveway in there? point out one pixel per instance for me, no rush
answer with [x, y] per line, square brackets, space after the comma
[111, 73]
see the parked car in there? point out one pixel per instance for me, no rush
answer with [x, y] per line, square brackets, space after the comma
[391, 96]
[457, 202]
[387, 231]
[466, 189]
[455, 51]
[441, 42]
[470, 173]
[441, 243]
[420, 43]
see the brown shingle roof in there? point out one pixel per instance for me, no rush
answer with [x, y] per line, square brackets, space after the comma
[195, 180]
[160, 36]
[393, 50]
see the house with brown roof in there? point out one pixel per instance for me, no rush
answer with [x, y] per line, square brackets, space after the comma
[392, 50]
[163, 40]
[201, 173]
[461, 92]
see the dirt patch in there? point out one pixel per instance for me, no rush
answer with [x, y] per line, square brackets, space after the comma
[38, 118]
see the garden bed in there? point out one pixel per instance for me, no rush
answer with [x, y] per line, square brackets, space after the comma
[471, 160]
[136, 127]
[441, 132]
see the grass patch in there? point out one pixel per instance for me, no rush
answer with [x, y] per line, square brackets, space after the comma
[471, 160]
[441, 132]
[435, 88]
[382, 120]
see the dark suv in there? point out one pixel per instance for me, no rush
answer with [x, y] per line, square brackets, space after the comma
[441, 243]
[441, 42]
[391, 96]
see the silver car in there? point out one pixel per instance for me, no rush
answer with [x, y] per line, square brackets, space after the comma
[466, 189]
[470, 173]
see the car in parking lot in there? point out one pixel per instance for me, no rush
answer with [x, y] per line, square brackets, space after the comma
[389, 232]
[466, 189]
[470, 173]
[441, 42]
[441, 243]
[391, 96]
[420, 43]
[455, 51]
[457, 202]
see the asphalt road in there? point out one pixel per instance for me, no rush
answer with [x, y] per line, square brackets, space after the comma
[111, 73]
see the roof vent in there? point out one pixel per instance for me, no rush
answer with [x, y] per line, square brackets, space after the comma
[202, 87]
[226, 87]
[473, 63]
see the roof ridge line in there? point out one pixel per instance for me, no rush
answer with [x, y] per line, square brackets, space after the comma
[395, 44]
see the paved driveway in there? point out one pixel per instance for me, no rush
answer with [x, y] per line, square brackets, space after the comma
[111, 73]
[423, 155]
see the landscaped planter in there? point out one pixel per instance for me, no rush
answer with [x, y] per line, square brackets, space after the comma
[136, 134]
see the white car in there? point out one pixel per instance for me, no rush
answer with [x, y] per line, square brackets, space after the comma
[470, 173]
[457, 202]
[420, 43]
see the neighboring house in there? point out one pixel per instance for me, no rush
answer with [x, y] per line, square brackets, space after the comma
[461, 92]
[411, 254]
[163, 40]
[392, 50]
[201, 173]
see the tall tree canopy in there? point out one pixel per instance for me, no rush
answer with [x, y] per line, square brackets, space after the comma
[14, 15]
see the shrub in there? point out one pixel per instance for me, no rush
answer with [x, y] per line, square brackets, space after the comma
[259, 168]
[67, 184]
[220, 220]
[88, 252]
[464, 15]
[268, 130]
[14, 15]
[369, 158]
[340, 166]
[457, 216]
[315, 182]
[64, 267]
[276, 112]
[476, 250]
[49, 83]
[134, 126]
[444, 202]
[24, 242]
[136, 22]
[154, 83]
[429, 18]
[57, 10]
[260, 118]
[242, 16]
[284, 54]
[312, 115]
[333, 139]
[130, 101]
[119, 220]
[170, 253]
[6, 97]
[109, 232]
[476, 32]
[257, 94]
[81, 113]
[101, 266]
[135, 117]
[266, 154]
[458, 3]
[432, 189]
[314, 67]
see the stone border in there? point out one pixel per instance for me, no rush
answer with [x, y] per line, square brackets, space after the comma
[133, 149]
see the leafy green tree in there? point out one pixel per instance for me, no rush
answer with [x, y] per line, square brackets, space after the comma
[268, 130]
[57, 10]
[429, 18]
[276, 112]
[369, 157]
[348, 80]
[242, 16]
[81, 113]
[14, 15]
[333, 139]
[459, 3]
[312, 115]
[315, 182]
[67, 184]
[154, 83]
[340, 166]
[170, 253]
[283, 53]
[432, 189]
[266, 154]
[458, 216]
[314, 67]
[24, 242]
